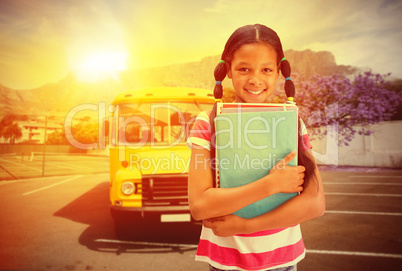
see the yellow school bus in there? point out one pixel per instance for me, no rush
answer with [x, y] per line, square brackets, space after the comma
[149, 159]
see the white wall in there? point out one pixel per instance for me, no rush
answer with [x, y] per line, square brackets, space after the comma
[383, 148]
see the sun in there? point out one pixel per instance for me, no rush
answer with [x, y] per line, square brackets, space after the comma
[101, 65]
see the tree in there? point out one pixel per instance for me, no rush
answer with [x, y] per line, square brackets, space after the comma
[353, 106]
[12, 132]
[85, 132]
[57, 138]
[9, 128]
[396, 86]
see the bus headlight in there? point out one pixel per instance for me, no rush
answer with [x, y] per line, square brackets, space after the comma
[127, 188]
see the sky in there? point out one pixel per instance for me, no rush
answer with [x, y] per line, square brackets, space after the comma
[41, 41]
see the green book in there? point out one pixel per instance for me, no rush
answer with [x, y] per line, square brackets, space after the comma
[249, 143]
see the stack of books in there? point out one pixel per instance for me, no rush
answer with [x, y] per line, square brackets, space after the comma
[250, 140]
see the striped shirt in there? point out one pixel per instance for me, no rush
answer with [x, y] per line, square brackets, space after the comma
[258, 251]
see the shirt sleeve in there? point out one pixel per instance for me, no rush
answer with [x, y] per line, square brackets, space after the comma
[200, 134]
[305, 138]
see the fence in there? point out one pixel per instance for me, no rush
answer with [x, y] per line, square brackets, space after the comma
[383, 148]
[34, 152]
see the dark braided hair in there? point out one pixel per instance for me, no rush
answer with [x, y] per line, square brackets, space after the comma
[251, 34]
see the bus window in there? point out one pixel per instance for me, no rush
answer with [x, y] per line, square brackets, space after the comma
[133, 133]
[159, 123]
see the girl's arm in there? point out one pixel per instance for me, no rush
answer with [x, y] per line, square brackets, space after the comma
[207, 202]
[309, 204]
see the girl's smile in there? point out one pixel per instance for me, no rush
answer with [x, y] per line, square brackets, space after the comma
[255, 92]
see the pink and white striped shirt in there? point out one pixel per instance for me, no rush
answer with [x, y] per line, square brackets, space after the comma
[258, 251]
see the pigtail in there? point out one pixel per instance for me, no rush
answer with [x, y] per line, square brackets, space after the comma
[286, 71]
[220, 74]
[302, 158]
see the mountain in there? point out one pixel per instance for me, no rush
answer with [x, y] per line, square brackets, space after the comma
[200, 74]
[309, 63]
[58, 98]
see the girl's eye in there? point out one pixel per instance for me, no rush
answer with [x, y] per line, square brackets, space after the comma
[243, 69]
[267, 70]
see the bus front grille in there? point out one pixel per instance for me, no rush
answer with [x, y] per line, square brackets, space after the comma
[164, 190]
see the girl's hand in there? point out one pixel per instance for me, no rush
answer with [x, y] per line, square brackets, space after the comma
[287, 179]
[227, 225]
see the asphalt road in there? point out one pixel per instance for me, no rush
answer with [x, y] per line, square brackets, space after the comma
[19, 166]
[63, 223]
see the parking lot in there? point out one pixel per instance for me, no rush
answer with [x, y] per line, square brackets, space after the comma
[63, 223]
[361, 229]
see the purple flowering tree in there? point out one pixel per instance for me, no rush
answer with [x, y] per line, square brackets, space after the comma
[353, 106]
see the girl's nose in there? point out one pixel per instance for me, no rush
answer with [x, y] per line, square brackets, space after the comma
[254, 79]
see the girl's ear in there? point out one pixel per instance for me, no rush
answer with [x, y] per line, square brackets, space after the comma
[229, 71]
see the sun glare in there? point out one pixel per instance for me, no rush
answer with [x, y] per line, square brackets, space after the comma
[99, 66]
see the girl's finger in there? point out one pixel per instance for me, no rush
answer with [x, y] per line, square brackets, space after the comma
[301, 169]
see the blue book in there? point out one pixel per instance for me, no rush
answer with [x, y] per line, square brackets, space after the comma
[251, 139]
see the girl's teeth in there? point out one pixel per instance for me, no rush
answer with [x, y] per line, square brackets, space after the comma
[255, 92]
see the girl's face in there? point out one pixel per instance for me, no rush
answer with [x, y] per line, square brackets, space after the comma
[254, 72]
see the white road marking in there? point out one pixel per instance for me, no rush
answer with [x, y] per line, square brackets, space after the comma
[355, 253]
[362, 213]
[376, 176]
[357, 183]
[363, 194]
[63, 165]
[49, 186]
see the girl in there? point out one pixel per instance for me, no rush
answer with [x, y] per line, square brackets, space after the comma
[252, 58]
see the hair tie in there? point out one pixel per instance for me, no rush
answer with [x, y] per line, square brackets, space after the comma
[283, 59]
[218, 82]
[287, 78]
[222, 61]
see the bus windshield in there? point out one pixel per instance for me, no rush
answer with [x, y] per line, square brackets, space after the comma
[157, 123]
